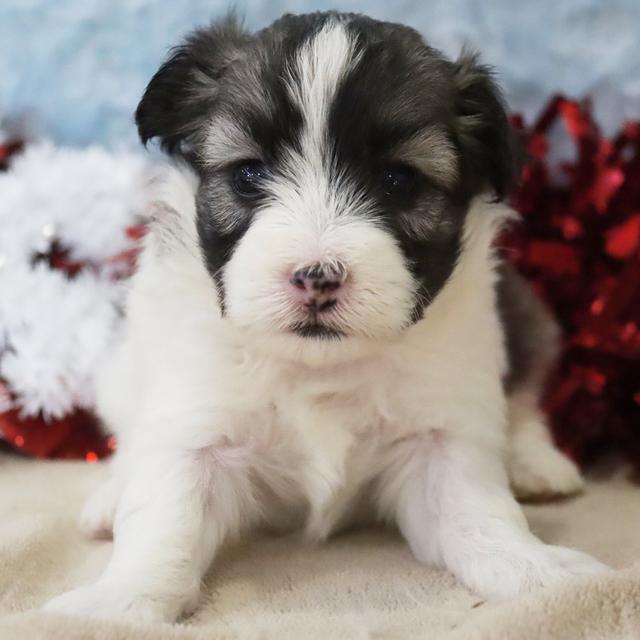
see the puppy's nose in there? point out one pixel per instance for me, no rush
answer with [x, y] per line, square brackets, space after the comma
[317, 285]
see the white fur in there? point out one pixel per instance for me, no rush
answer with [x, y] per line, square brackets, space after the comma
[202, 411]
[308, 220]
[227, 423]
[536, 468]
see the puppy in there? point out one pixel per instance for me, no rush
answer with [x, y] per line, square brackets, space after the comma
[320, 334]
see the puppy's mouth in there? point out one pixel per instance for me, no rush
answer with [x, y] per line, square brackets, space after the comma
[313, 329]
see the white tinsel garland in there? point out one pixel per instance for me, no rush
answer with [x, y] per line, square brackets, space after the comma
[55, 329]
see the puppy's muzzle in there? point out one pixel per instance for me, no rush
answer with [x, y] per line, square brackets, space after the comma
[317, 286]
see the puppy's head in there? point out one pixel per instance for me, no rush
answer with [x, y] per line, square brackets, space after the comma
[337, 158]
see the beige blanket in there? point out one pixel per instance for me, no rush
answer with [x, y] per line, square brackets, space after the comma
[359, 586]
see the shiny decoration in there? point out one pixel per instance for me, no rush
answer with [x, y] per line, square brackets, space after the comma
[579, 246]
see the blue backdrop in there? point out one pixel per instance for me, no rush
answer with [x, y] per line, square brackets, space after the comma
[78, 67]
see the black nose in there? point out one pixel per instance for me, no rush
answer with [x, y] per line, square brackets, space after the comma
[318, 285]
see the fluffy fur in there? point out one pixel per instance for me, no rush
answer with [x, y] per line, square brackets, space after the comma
[236, 403]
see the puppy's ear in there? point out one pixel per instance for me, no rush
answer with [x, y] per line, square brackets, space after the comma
[185, 89]
[491, 154]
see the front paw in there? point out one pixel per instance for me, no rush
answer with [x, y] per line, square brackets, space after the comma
[107, 601]
[528, 567]
[96, 519]
[543, 474]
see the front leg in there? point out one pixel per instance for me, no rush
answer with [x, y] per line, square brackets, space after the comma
[454, 506]
[174, 513]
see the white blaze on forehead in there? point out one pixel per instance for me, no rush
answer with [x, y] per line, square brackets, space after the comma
[321, 64]
[306, 190]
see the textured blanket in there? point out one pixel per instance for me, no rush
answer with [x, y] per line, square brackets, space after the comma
[359, 586]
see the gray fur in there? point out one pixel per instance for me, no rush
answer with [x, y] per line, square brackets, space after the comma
[531, 334]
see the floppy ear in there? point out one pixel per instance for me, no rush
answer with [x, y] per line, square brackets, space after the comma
[185, 89]
[491, 154]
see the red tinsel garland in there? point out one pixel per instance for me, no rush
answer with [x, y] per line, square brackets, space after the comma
[579, 245]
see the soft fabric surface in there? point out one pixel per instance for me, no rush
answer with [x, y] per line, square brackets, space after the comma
[362, 585]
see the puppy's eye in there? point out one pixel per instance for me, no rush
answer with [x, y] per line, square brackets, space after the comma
[248, 178]
[398, 179]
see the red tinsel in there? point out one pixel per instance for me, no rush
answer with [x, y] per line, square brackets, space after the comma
[77, 435]
[579, 245]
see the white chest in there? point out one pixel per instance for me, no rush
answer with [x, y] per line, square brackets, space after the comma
[318, 446]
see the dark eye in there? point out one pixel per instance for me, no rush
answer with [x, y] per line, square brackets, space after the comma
[248, 178]
[398, 179]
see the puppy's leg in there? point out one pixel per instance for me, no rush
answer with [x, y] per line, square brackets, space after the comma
[454, 506]
[175, 511]
[99, 510]
[96, 519]
[536, 468]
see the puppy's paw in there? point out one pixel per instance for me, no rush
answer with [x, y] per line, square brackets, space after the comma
[573, 562]
[543, 473]
[113, 602]
[531, 566]
[96, 518]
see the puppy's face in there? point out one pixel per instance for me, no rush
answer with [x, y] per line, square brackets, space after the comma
[337, 157]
